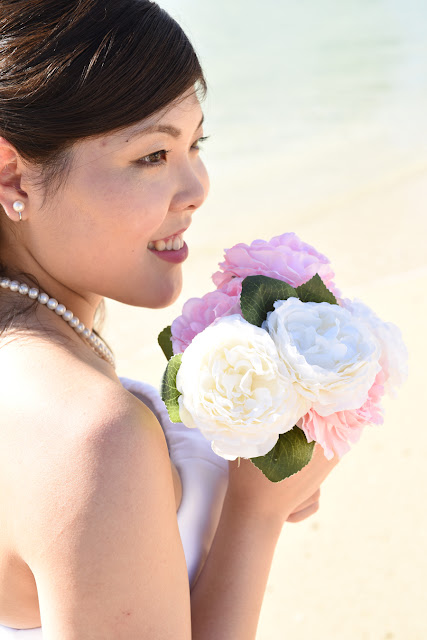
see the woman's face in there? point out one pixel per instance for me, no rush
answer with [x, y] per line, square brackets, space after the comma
[125, 192]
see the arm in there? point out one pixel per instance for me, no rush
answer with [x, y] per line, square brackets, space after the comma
[227, 597]
[106, 552]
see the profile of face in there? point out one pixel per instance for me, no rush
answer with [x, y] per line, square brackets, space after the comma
[124, 192]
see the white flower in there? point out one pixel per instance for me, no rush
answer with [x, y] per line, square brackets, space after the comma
[235, 389]
[394, 355]
[331, 356]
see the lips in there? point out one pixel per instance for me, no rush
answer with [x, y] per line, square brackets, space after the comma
[175, 233]
[172, 256]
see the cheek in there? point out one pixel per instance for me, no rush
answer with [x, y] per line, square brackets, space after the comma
[204, 178]
[150, 207]
[126, 201]
[99, 198]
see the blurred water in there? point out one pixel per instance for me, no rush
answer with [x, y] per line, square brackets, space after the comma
[317, 115]
[298, 72]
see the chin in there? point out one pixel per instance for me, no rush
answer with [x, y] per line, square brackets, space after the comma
[157, 296]
[164, 299]
[150, 290]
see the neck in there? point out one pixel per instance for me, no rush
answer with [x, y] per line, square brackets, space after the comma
[24, 267]
[55, 312]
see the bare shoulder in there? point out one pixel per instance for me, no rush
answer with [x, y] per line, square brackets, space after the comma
[61, 398]
[102, 537]
[80, 434]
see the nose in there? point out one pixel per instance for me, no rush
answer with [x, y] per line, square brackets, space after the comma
[192, 188]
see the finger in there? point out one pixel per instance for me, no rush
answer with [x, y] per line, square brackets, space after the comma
[307, 503]
[297, 516]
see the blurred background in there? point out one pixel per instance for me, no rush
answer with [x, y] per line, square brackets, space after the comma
[317, 117]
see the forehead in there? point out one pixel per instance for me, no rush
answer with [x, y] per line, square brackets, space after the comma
[186, 110]
[184, 115]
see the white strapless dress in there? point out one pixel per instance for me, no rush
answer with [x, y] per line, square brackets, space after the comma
[204, 477]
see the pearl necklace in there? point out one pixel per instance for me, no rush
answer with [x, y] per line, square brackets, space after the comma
[89, 336]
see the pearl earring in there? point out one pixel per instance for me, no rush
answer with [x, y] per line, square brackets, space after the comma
[19, 207]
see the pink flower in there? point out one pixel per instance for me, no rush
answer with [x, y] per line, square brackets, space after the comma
[334, 432]
[233, 287]
[199, 313]
[284, 257]
[371, 411]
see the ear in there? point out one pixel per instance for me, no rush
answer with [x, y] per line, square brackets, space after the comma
[10, 180]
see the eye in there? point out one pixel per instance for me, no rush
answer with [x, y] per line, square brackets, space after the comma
[199, 141]
[159, 158]
[153, 159]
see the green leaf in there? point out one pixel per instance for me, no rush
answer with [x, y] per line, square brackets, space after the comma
[259, 293]
[170, 393]
[165, 342]
[290, 454]
[315, 290]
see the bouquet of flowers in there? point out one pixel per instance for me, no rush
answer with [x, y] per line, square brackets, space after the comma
[274, 360]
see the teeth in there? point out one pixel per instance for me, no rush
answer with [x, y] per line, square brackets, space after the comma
[173, 244]
[177, 243]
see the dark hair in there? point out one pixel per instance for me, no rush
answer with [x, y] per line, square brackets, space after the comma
[72, 69]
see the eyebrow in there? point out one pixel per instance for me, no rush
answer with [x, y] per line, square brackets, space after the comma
[161, 128]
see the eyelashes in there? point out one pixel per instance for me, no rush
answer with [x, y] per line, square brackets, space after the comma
[154, 158]
[159, 157]
[200, 141]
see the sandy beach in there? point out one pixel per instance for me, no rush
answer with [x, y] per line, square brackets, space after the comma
[357, 191]
[355, 570]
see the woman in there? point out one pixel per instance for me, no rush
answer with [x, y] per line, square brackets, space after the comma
[100, 174]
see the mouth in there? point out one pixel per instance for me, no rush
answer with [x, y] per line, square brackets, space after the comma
[171, 243]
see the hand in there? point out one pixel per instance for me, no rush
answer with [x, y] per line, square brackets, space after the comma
[293, 499]
[305, 509]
